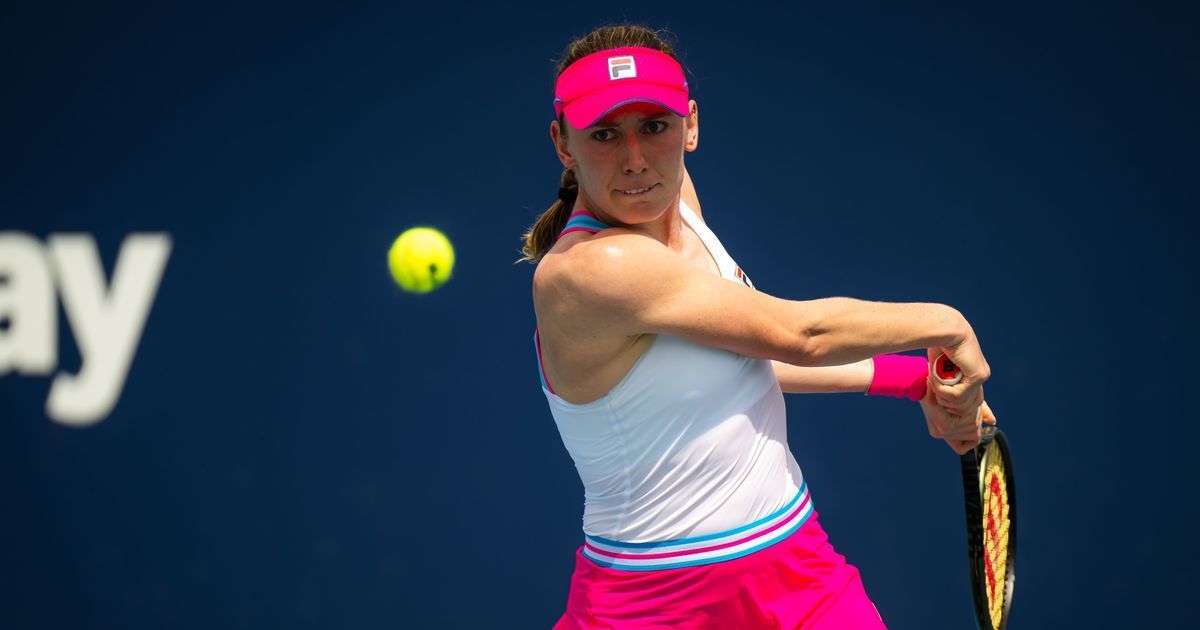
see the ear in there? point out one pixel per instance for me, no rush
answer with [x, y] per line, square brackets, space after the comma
[560, 145]
[693, 128]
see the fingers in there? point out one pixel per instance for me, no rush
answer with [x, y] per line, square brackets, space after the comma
[930, 408]
[934, 431]
[962, 447]
[956, 398]
[988, 416]
[968, 356]
[967, 394]
[956, 413]
[962, 432]
[943, 424]
[971, 435]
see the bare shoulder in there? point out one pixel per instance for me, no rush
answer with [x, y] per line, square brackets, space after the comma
[590, 280]
[590, 335]
[620, 284]
[610, 263]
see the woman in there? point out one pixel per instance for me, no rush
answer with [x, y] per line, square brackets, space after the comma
[664, 370]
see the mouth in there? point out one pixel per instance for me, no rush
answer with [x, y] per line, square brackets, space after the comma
[634, 192]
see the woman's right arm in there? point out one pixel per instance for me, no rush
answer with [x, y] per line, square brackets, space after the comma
[627, 283]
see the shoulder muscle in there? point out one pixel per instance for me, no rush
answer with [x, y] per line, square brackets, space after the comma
[627, 283]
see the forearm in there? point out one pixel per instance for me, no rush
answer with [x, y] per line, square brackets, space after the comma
[795, 379]
[839, 331]
[842, 334]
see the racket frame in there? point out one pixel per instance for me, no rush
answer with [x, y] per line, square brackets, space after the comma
[973, 467]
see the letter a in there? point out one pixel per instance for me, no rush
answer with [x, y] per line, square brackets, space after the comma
[28, 317]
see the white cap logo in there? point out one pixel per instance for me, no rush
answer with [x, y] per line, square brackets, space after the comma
[621, 68]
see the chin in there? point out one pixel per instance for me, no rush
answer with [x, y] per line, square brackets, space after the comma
[645, 209]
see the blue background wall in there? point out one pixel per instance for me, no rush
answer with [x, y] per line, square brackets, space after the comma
[299, 444]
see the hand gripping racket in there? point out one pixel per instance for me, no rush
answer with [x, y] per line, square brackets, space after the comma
[991, 517]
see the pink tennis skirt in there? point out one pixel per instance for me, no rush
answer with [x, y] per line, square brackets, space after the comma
[798, 582]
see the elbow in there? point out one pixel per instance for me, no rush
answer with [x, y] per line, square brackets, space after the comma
[807, 350]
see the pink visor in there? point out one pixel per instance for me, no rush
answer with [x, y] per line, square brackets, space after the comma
[597, 84]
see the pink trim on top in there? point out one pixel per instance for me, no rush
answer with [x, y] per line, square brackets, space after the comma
[688, 552]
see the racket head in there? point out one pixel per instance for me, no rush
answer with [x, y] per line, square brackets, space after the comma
[990, 496]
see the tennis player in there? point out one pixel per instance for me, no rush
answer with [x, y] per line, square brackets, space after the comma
[664, 370]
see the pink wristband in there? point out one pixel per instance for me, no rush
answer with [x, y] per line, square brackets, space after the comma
[899, 376]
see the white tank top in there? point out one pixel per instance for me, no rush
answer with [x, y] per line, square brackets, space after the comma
[690, 445]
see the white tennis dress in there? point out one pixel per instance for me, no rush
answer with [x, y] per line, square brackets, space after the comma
[686, 460]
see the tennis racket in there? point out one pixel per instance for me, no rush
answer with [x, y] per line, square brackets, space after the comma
[990, 496]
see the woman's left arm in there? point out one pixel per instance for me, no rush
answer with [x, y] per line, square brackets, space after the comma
[853, 377]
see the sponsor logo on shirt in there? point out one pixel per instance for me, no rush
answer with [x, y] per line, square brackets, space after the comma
[741, 275]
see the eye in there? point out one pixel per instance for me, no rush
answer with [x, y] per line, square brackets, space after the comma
[603, 134]
[656, 126]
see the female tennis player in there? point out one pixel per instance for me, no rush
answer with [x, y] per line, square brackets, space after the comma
[664, 370]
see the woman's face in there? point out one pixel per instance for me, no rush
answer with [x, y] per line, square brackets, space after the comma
[629, 165]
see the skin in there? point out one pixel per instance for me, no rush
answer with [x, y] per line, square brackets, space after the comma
[639, 145]
[587, 350]
[951, 425]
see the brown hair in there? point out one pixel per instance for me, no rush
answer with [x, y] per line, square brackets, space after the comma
[542, 234]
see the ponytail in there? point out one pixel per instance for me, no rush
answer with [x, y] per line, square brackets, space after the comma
[542, 234]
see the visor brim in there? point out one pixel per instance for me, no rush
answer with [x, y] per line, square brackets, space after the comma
[589, 109]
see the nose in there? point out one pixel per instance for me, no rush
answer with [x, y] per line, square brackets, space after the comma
[635, 161]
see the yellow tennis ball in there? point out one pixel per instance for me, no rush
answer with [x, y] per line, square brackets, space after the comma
[421, 259]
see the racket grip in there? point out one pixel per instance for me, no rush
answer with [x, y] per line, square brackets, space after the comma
[944, 370]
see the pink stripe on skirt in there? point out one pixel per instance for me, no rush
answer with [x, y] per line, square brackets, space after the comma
[799, 582]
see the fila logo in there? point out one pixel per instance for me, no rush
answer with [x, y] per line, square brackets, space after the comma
[621, 68]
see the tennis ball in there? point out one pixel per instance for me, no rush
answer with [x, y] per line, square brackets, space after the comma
[421, 259]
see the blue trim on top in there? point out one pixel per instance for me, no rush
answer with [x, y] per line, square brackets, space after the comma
[692, 563]
[586, 222]
[683, 541]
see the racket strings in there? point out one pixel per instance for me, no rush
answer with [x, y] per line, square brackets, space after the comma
[995, 534]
